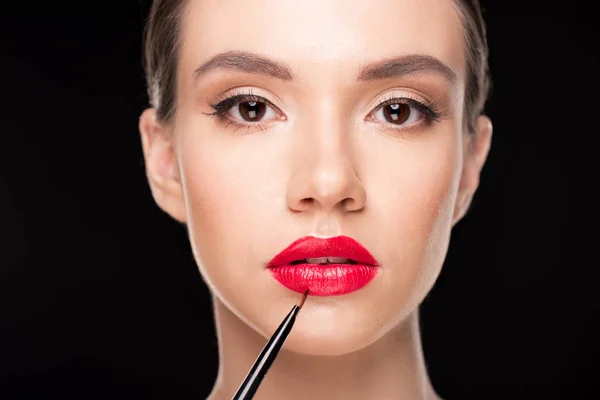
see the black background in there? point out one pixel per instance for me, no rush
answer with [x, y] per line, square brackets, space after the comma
[99, 294]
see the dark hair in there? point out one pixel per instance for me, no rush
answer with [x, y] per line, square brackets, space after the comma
[162, 40]
[478, 80]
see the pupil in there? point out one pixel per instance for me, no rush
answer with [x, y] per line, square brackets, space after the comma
[396, 113]
[252, 111]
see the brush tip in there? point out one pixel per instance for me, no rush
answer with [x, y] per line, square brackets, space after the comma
[303, 299]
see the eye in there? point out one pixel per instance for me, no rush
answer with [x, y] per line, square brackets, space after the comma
[397, 112]
[404, 112]
[246, 109]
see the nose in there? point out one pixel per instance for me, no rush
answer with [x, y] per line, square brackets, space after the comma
[325, 178]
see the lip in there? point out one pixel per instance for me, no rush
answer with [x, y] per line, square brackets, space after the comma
[324, 279]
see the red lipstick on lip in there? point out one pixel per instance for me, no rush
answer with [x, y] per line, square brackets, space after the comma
[325, 278]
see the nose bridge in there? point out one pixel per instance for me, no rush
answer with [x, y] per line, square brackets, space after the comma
[324, 176]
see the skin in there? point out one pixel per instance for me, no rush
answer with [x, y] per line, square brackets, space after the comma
[328, 164]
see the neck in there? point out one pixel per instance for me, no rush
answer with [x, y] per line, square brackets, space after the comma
[391, 368]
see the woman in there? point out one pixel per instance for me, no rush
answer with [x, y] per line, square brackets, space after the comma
[321, 145]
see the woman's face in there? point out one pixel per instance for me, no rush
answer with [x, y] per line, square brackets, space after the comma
[347, 121]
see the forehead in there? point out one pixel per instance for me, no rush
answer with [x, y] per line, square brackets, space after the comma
[323, 38]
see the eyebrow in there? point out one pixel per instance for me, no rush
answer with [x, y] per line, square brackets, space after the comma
[405, 65]
[395, 67]
[247, 62]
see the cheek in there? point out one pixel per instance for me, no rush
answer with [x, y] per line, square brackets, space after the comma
[223, 178]
[413, 200]
[226, 180]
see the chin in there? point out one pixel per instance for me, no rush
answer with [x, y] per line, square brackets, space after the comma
[321, 331]
[326, 345]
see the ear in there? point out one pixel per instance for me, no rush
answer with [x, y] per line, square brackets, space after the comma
[161, 165]
[475, 153]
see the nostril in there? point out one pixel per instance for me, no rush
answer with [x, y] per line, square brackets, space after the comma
[349, 203]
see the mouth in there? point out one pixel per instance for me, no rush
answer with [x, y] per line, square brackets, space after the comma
[326, 267]
[324, 261]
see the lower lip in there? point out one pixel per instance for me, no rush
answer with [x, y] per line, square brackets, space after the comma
[324, 280]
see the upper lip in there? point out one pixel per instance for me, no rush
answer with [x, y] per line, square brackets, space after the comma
[313, 247]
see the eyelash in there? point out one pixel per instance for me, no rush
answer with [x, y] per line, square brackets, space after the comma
[429, 110]
[222, 107]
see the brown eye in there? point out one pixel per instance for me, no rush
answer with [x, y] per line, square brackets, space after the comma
[396, 113]
[400, 112]
[252, 111]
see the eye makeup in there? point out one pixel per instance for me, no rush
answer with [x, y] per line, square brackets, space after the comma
[250, 107]
[429, 109]
[243, 109]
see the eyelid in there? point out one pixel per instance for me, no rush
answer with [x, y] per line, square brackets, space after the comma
[248, 91]
[395, 94]
[231, 101]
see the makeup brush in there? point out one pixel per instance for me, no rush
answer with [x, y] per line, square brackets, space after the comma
[268, 354]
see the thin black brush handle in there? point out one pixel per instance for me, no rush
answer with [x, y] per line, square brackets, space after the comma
[266, 358]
